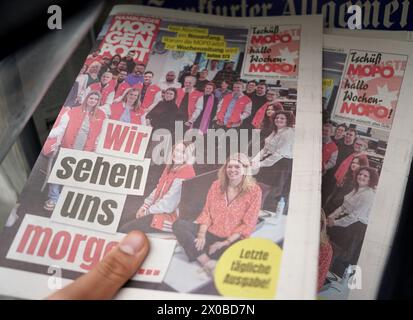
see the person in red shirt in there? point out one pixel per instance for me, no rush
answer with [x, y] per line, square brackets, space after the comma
[230, 214]
[186, 99]
[150, 93]
[128, 109]
[121, 85]
[77, 128]
[160, 208]
[106, 87]
[233, 109]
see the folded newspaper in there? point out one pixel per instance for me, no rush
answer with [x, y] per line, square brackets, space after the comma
[202, 133]
[367, 152]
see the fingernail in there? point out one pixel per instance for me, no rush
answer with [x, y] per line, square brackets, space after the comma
[132, 243]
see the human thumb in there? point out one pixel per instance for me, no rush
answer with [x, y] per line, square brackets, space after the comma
[110, 274]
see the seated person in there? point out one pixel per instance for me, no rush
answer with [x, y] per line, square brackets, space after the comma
[230, 214]
[348, 223]
[275, 158]
[159, 210]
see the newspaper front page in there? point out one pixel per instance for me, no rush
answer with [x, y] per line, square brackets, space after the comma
[204, 134]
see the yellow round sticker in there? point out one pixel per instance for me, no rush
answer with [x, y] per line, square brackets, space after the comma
[249, 269]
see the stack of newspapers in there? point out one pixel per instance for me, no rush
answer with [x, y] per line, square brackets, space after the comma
[262, 159]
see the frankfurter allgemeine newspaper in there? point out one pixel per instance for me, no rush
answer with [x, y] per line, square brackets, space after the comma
[201, 132]
[367, 152]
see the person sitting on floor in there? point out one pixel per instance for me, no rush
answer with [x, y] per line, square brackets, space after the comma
[230, 214]
[159, 210]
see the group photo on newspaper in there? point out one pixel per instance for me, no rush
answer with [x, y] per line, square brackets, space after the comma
[185, 132]
[361, 90]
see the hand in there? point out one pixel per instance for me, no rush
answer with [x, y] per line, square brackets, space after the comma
[220, 123]
[200, 241]
[216, 246]
[109, 275]
[141, 212]
[188, 123]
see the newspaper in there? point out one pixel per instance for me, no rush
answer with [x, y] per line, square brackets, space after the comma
[204, 134]
[367, 152]
[378, 15]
